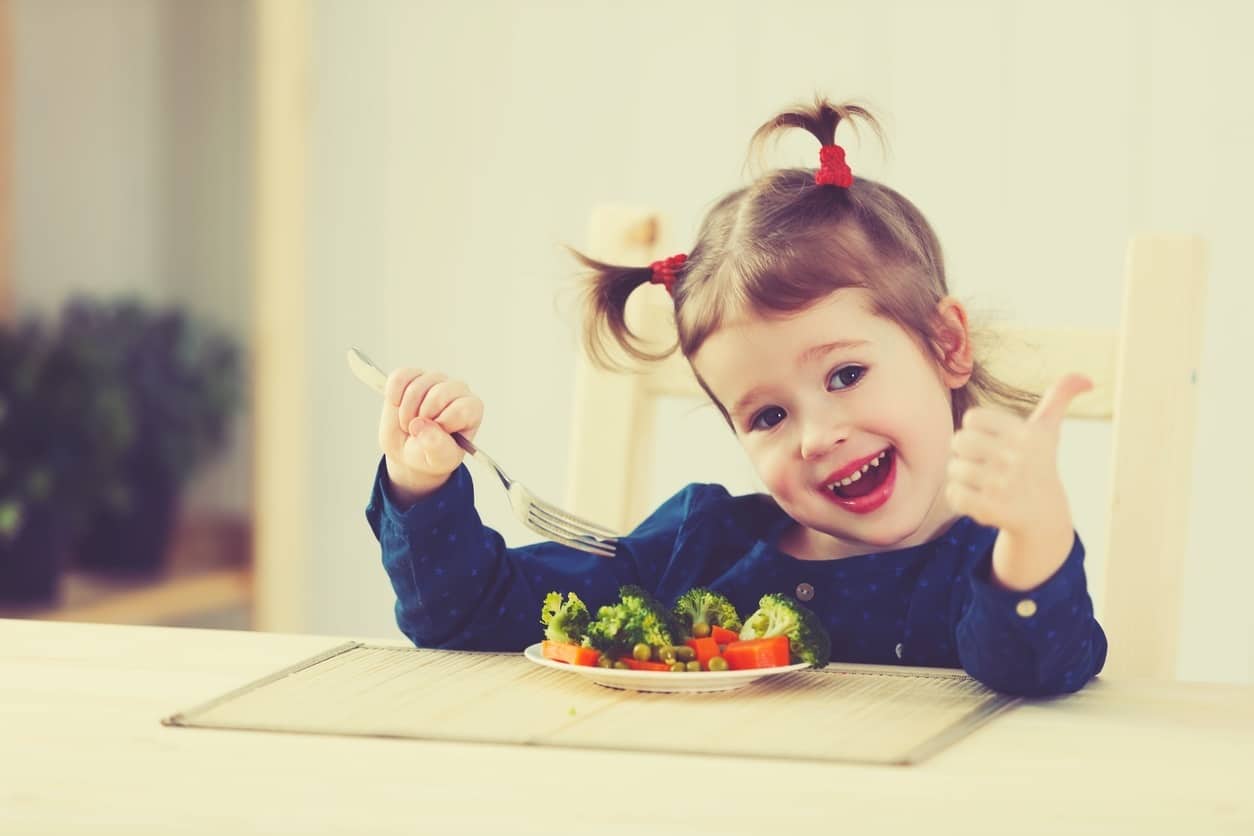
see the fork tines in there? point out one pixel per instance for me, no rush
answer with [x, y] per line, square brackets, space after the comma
[561, 531]
[570, 521]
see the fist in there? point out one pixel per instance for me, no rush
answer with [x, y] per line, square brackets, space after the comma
[1003, 471]
[420, 412]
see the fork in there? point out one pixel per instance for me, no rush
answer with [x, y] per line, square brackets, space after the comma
[540, 516]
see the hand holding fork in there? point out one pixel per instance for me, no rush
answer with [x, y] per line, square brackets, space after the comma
[425, 430]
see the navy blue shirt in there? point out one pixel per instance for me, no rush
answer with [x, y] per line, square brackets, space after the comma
[459, 587]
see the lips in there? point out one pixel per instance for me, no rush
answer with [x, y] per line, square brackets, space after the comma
[855, 466]
[867, 482]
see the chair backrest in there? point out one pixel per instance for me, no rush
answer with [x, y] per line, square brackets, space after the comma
[1145, 383]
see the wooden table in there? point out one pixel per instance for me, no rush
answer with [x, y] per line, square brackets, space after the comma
[82, 750]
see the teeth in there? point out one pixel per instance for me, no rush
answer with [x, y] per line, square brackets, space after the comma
[857, 474]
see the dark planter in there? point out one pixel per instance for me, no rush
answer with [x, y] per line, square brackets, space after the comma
[135, 541]
[31, 563]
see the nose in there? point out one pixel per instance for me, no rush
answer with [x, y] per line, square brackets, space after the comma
[820, 435]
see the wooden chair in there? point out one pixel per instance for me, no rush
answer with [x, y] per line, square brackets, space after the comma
[1144, 375]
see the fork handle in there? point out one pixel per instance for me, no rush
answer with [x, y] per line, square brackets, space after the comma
[465, 443]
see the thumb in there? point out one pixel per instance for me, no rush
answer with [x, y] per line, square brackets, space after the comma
[434, 449]
[1053, 405]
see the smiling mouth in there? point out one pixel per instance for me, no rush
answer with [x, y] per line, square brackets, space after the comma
[865, 480]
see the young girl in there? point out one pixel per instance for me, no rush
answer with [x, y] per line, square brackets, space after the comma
[814, 311]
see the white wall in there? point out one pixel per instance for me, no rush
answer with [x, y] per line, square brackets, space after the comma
[457, 146]
[132, 170]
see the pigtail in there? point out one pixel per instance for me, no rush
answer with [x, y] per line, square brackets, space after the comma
[819, 119]
[606, 289]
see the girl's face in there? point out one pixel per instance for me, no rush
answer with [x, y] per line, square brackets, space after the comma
[846, 420]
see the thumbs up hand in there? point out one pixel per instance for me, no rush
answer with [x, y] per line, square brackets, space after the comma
[1003, 473]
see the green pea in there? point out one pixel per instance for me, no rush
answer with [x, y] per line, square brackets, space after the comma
[621, 665]
[692, 666]
[717, 663]
[700, 630]
[666, 654]
[678, 667]
[605, 662]
[641, 652]
[684, 654]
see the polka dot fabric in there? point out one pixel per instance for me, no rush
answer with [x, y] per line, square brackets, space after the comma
[459, 587]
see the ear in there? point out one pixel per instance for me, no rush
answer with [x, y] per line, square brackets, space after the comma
[953, 343]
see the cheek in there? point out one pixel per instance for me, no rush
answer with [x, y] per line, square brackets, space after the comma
[932, 439]
[772, 467]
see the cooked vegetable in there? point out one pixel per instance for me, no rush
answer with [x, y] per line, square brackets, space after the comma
[724, 636]
[757, 653]
[698, 633]
[699, 610]
[564, 621]
[705, 649]
[780, 615]
[636, 618]
[572, 654]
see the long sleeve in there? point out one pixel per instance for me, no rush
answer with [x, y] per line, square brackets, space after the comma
[459, 587]
[1041, 642]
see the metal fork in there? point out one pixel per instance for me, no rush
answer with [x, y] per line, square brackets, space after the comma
[540, 516]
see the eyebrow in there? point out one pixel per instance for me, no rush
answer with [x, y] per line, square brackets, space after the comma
[827, 348]
[807, 356]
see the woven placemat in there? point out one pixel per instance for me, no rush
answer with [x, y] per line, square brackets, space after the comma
[856, 714]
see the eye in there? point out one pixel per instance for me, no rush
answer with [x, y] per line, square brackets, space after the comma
[767, 418]
[846, 376]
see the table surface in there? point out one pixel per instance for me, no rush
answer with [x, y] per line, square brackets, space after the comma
[84, 751]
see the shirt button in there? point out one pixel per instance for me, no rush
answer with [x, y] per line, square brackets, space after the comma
[805, 592]
[897, 650]
[1026, 608]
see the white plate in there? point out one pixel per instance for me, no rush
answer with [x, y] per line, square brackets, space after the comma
[665, 682]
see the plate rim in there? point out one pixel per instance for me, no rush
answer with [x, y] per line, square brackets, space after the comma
[534, 654]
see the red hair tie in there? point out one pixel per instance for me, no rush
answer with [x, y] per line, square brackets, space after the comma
[833, 170]
[664, 270]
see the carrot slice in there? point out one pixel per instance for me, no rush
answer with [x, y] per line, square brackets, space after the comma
[723, 636]
[757, 653]
[587, 656]
[705, 648]
[572, 654]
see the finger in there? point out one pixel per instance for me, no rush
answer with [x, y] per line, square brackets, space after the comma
[462, 416]
[391, 437]
[991, 421]
[440, 396]
[969, 474]
[431, 449]
[414, 394]
[1053, 406]
[975, 446]
[396, 383]
[970, 503]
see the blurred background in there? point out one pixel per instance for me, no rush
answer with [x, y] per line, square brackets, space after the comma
[207, 201]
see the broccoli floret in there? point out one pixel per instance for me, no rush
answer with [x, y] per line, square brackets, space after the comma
[699, 609]
[779, 615]
[636, 618]
[610, 632]
[657, 628]
[564, 622]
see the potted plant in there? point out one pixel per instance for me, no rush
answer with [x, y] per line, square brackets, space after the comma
[63, 431]
[182, 382]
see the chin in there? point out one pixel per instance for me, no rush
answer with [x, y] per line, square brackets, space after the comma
[882, 534]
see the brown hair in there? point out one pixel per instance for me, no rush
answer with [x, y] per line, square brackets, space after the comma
[783, 243]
